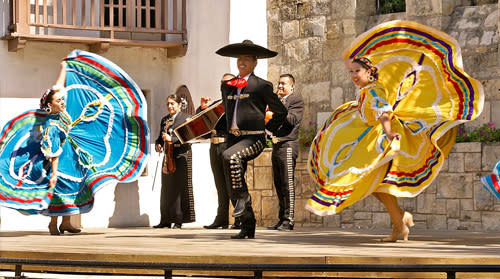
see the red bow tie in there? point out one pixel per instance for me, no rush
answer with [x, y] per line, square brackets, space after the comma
[237, 82]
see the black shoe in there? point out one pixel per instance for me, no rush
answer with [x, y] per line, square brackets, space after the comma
[215, 226]
[286, 226]
[177, 226]
[161, 225]
[275, 226]
[250, 234]
[241, 205]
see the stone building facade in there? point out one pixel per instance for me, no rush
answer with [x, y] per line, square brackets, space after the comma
[310, 36]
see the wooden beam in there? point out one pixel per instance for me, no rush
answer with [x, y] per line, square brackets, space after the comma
[84, 14]
[63, 11]
[36, 12]
[16, 44]
[92, 13]
[148, 15]
[45, 11]
[54, 12]
[101, 14]
[120, 14]
[178, 51]
[99, 47]
[139, 15]
[73, 12]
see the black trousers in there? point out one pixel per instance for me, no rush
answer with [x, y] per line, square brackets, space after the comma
[239, 151]
[223, 188]
[284, 159]
[176, 200]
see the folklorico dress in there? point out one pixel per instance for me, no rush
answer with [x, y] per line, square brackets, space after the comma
[491, 182]
[425, 92]
[102, 138]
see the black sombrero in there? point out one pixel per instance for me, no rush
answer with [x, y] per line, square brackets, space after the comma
[246, 47]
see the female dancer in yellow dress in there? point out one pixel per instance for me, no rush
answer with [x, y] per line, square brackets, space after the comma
[392, 141]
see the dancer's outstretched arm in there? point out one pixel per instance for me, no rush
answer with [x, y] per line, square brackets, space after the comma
[61, 79]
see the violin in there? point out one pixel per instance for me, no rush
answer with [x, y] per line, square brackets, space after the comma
[168, 165]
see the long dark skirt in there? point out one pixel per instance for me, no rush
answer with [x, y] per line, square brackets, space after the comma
[176, 201]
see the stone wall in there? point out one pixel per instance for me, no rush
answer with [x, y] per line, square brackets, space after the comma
[454, 201]
[310, 36]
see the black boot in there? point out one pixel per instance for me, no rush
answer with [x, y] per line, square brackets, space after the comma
[285, 226]
[177, 226]
[216, 225]
[162, 225]
[244, 233]
[242, 202]
[275, 226]
[247, 225]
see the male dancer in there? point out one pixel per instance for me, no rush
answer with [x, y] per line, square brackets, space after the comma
[218, 143]
[245, 100]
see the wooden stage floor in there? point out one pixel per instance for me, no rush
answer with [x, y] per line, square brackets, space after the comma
[301, 246]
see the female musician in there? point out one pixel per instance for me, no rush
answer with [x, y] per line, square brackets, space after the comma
[176, 201]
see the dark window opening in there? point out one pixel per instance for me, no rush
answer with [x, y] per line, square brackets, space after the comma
[391, 6]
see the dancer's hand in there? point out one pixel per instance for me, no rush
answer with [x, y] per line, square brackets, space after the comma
[53, 181]
[392, 135]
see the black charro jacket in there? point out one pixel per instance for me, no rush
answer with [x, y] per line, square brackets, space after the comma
[254, 98]
[290, 128]
[179, 119]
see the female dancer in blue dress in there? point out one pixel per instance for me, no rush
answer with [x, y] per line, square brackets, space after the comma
[53, 160]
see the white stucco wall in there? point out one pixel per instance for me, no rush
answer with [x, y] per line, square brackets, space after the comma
[248, 21]
[201, 69]
[26, 73]
[229, 21]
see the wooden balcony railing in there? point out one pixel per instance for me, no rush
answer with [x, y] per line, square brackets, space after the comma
[100, 23]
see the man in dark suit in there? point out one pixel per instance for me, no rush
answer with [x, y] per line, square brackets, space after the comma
[245, 100]
[285, 152]
[218, 143]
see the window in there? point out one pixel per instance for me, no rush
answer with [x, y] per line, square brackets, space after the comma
[390, 6]
[116, 13]
[117, 10]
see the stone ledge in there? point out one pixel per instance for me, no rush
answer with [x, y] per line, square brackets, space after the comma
[466, 147]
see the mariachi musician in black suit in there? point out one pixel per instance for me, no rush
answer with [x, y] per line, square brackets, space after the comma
[245, 100]
[218, 144]
[285, 152]
[176, 200]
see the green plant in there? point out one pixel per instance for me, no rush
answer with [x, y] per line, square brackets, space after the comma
[391, 6]
[486, 133]
[307, 134]
[269, 142]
